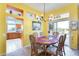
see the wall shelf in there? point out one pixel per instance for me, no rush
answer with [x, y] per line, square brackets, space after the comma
[14, 30]
[17, 17]
[12, 9]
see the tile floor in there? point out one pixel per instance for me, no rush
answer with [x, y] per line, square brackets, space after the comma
[26, 51]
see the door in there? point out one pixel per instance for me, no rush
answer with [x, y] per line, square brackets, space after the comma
[63, 27]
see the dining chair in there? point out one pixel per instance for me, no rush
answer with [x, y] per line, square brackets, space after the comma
[59, 49]
[35, 34]
[60, 46]
[34, 50]
[54, 34]
[38, 45]
[64, 38]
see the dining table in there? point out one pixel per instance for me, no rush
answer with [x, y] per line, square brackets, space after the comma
[46, 42]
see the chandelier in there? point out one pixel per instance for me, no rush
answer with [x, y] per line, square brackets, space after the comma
[42, 18]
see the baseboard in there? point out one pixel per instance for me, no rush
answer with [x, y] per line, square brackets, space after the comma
[3, 54]
[27, 46]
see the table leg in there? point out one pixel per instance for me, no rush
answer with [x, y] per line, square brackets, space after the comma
[44, 52]
[45, 49]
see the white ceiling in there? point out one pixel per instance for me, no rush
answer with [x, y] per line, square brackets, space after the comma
[48, 6]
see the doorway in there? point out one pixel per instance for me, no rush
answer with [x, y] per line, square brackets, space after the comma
[63, 27]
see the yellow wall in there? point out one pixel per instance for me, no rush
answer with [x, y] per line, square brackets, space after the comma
[2, 30]
[73, 10]
[27, 25]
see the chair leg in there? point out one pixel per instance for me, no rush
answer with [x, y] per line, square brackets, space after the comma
[47, 46]
[64, 51]
[61, 53]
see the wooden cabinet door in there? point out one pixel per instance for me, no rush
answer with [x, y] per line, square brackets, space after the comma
[13, 35]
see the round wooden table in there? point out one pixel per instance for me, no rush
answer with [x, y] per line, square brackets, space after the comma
[46, 42]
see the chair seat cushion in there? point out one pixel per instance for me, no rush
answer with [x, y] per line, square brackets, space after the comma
[52, 49]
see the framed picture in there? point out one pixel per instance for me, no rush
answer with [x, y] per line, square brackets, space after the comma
[36, 25]
[74, 25]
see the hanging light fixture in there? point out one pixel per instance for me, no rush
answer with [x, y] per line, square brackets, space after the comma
[43, 17]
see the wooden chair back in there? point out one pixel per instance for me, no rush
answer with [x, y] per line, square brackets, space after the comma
[55, 33]
[35, 34]
[34, 50]
[60, 46]
[64, 37]
[32, 39]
